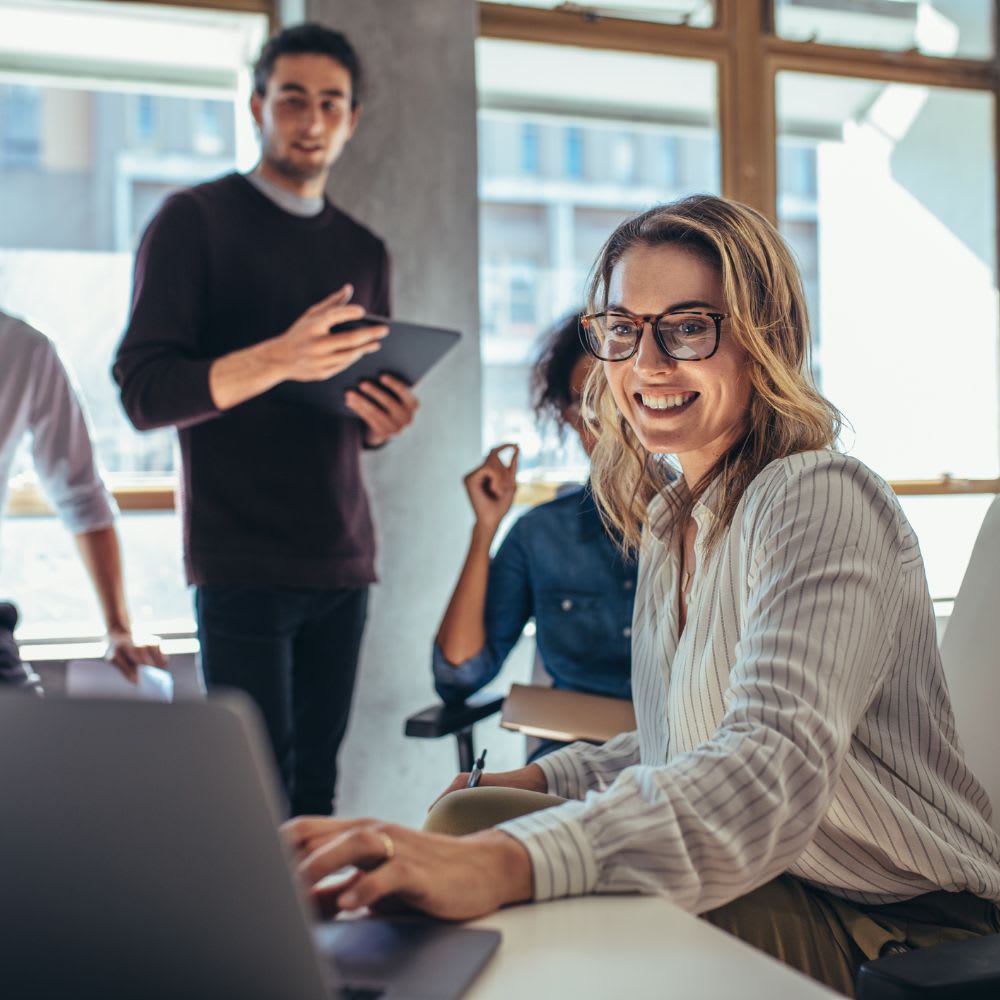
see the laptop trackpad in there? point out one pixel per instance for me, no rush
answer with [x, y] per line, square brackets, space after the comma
[415, 958]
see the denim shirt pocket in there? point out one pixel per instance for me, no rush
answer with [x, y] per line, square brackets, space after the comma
[585, 644]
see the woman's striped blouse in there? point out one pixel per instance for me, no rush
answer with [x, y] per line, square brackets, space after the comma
[800, 723]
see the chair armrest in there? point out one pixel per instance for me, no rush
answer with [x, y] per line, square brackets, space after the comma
[445, 720]
[957, 970]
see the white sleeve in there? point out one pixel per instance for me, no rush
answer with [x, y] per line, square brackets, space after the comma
[574, 770]
[713, 824]
[61, 447]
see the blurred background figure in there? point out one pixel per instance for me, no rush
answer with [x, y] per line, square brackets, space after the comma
[38, 399]
[557, 565]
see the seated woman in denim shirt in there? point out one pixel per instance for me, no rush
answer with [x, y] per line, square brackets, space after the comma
[557, 565]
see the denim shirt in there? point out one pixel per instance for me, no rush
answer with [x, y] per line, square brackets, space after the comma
[558, 566]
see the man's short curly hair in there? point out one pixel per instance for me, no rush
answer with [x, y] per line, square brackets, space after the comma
[309, 39]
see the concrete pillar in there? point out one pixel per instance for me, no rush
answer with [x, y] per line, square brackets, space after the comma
[410, 174]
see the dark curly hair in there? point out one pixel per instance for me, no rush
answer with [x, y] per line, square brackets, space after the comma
[308, 39]
[559, 349]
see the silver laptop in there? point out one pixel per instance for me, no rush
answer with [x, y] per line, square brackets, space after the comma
[140, 858]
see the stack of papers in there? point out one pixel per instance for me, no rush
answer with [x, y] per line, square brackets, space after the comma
[99, 679]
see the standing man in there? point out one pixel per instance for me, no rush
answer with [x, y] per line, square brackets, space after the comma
[237, 284]
[37, 400]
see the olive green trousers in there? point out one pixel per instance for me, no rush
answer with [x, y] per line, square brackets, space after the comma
[820, 934]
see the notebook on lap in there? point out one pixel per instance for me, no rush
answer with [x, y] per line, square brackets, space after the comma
[557, 714]
[139, 857]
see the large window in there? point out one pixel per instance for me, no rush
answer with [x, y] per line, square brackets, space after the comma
[610, 134]
[104, 109]
[897, 236]
[866, 130]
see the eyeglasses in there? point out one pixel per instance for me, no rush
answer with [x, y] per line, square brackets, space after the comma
[683, 336]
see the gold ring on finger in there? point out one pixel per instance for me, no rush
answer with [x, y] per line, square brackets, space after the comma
[390, 847]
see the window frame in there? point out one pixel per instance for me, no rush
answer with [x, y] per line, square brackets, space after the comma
[749, 56]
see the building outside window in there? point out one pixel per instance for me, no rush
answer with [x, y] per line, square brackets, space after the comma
[145, 119]
[574, 152]
[108, 130]
[20, 126]
[541, 229]
[529, 148]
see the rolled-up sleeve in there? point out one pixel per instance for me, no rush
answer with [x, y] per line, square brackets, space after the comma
[61, 448]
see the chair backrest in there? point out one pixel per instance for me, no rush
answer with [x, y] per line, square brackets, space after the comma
[970, 652]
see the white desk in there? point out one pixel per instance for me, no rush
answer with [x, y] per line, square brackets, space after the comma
[607, 947]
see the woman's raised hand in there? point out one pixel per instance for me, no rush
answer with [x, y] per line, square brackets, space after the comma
[491, 486]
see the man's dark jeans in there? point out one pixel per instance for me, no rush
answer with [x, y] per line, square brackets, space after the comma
[295, 652]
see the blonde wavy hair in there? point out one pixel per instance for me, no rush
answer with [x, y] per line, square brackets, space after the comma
[768, 319]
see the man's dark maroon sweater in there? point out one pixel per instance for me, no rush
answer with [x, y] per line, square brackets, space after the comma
[271, 491]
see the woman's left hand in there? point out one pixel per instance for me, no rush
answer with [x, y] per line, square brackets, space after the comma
[455, 878]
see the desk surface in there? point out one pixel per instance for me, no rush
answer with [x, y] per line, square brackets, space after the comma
[629, 947]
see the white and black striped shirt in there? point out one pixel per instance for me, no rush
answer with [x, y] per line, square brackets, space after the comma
[800, 723]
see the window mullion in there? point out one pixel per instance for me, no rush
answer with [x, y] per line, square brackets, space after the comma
[746, 113]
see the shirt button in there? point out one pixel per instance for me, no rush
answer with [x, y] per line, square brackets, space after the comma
[567, 604]
[627, 632]
[627, 584]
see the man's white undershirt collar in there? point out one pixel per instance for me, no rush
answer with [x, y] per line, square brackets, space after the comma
[296, 204]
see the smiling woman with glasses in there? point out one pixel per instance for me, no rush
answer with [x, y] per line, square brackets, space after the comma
[795, 776]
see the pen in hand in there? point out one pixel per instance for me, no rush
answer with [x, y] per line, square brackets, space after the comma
[477, 771]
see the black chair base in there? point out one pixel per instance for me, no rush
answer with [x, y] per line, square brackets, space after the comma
[958, 970]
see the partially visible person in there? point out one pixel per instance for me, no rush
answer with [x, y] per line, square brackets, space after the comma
[37, 399]
[238, 284]
[796, 776]
[557, 565]
[14, 672]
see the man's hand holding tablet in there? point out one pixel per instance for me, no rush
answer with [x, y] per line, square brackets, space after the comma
[390, 356]
[385, 406]
[328, 338]
[304, 353]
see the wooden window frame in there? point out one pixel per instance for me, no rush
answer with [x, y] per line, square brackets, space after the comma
[748, 56]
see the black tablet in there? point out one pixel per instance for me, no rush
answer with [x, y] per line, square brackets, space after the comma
[408, 352]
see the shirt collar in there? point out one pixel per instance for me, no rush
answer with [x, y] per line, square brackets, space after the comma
[704, 511]
[292, 203]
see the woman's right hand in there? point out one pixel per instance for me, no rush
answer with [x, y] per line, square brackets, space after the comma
[531, 778]
[491, 486]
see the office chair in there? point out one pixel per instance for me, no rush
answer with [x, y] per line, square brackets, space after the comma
[565, 716]
[440, 720]
[970, 652]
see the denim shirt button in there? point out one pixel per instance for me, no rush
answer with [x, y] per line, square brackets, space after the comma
[627, 584]
[567, 604]
[627, 632]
